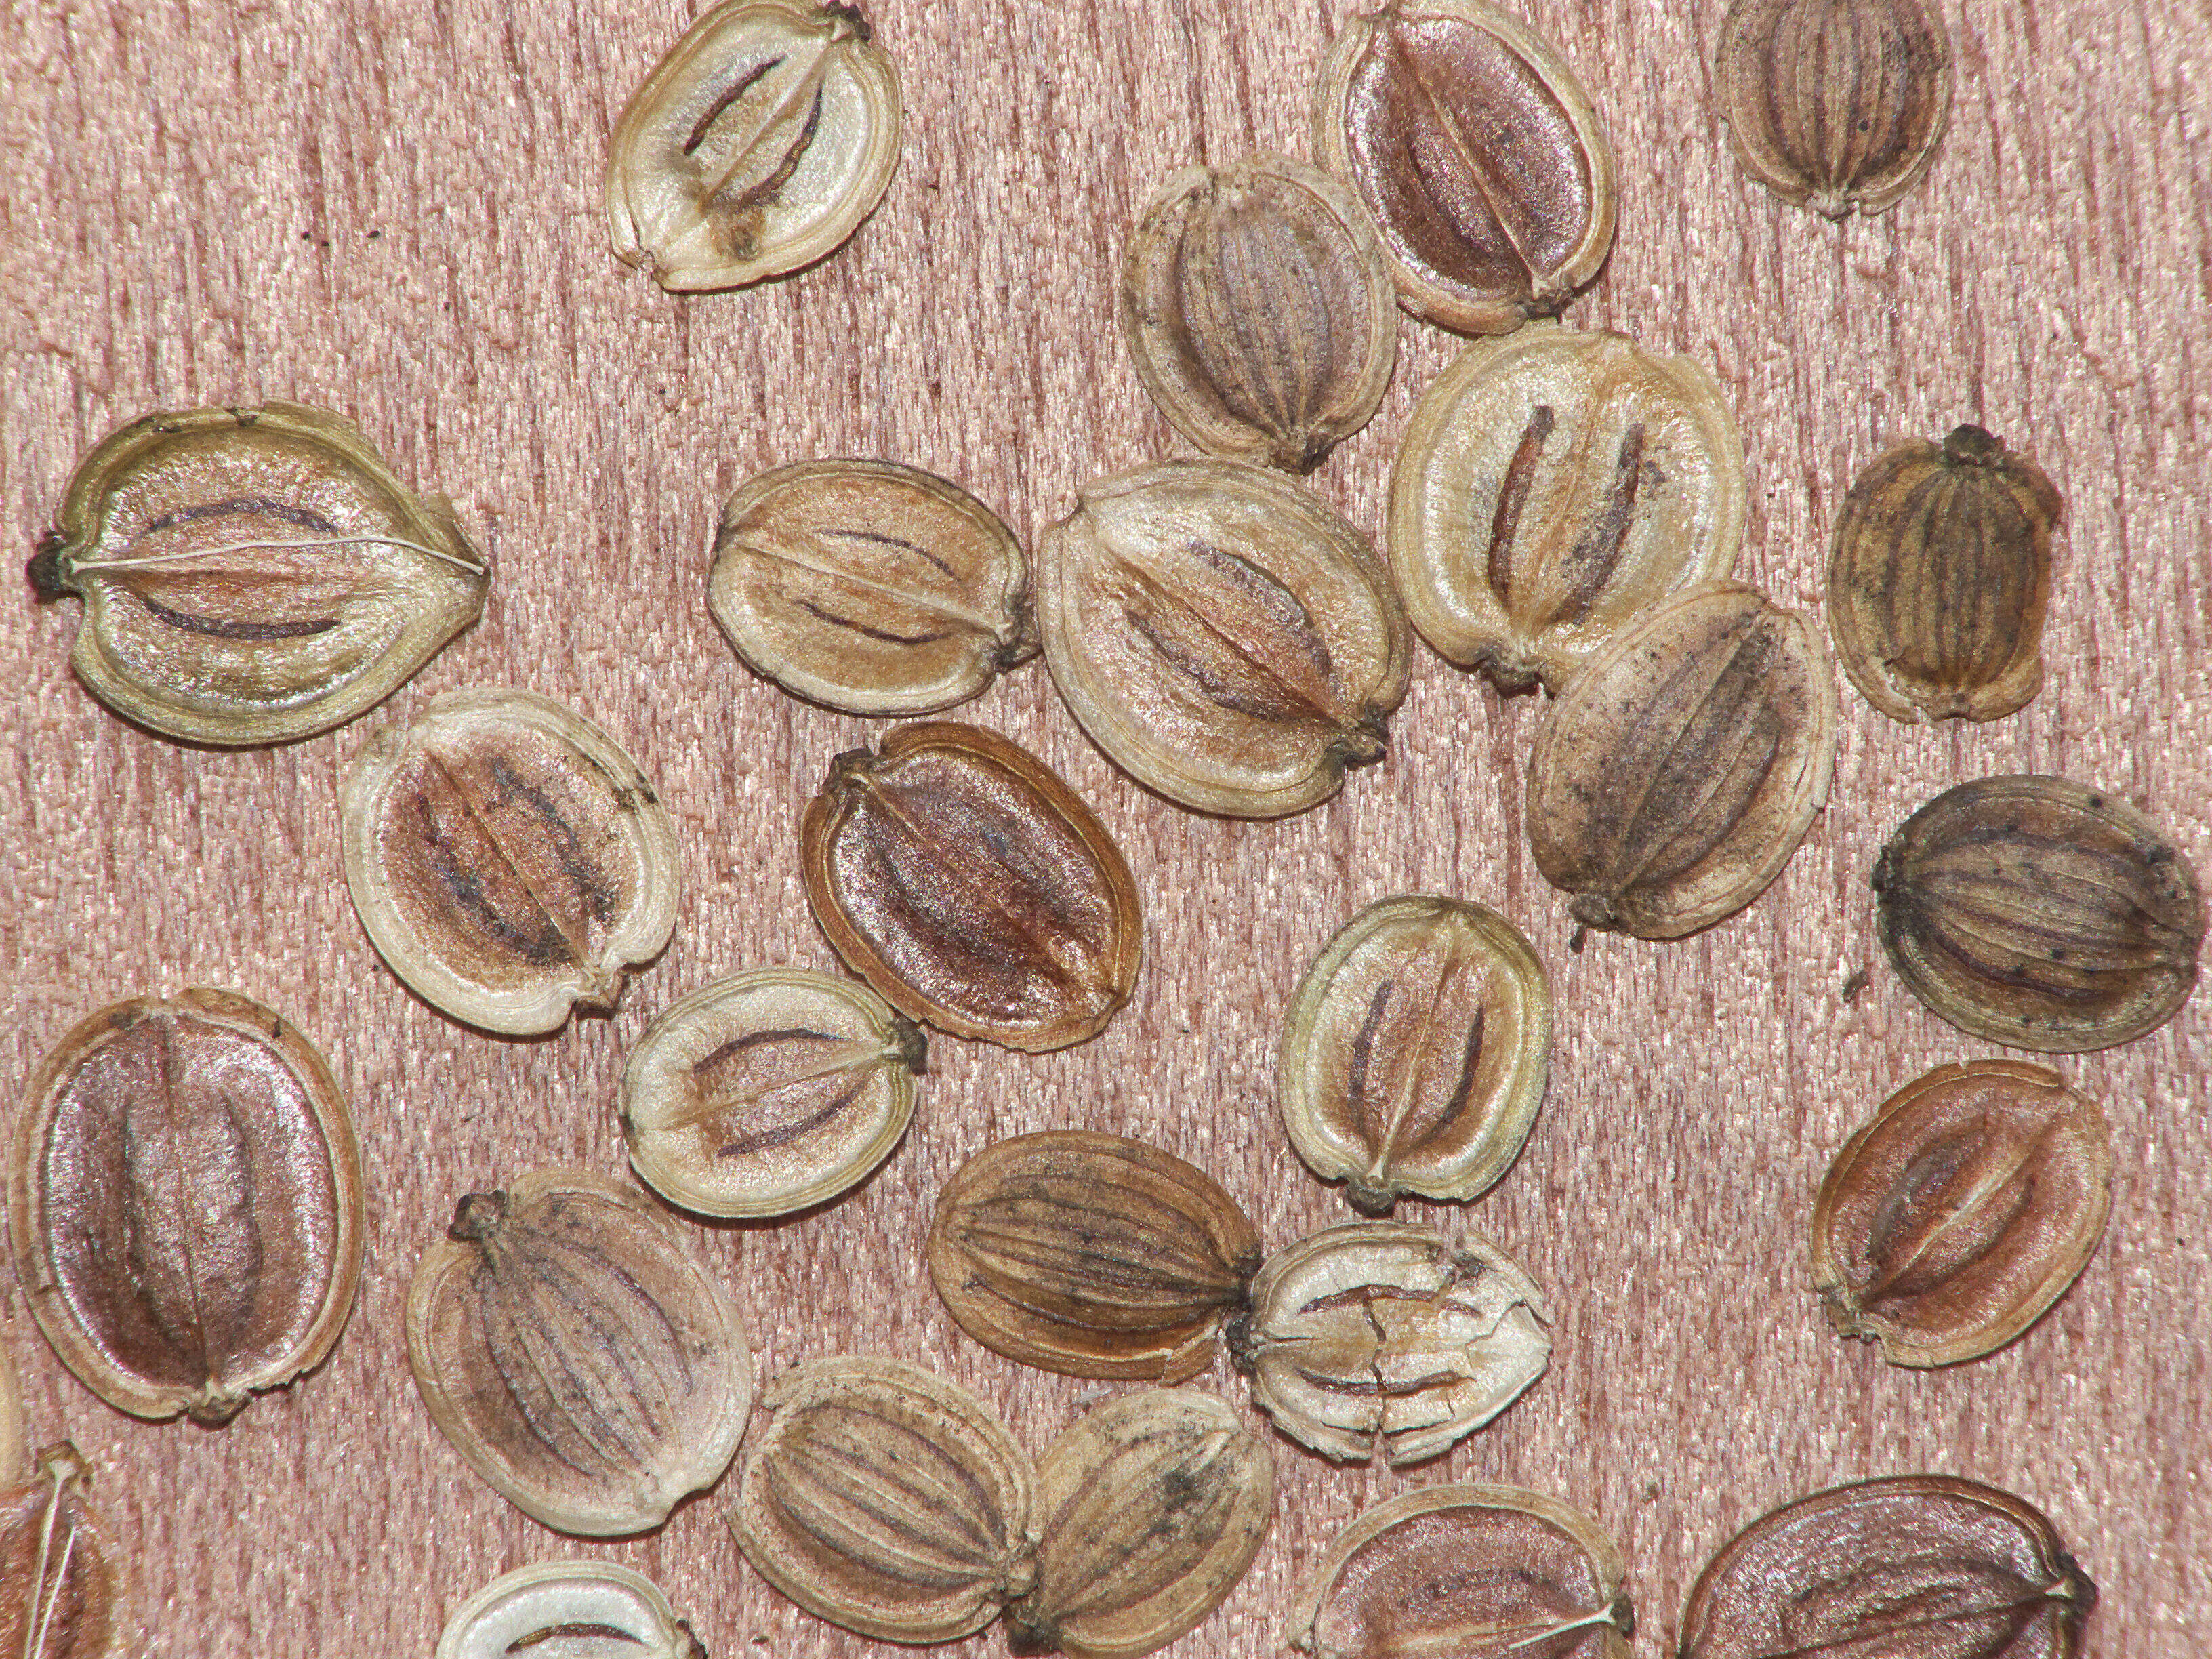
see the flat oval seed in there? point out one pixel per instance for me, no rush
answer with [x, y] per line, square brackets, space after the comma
[756, 147]
[1916, 1564]
[62, 1574]
[868, 587]
[509, 860]
[1258, 310]
[887, 1500]
[253, 575]
[1225, 637]
[1415, 1051]
[1553, 487]
[1939, 578]
[1091, 1255]
[576, 1355]
[1834, 104]
[568, 1610]
[1479, 153]
[1474, 1572]
[1151, 1508]
[186, 1204]
[1378, 1339]
[1675, 778]
[1953, 1221]
[768, 1091]
[958, 875]
[2034, 911]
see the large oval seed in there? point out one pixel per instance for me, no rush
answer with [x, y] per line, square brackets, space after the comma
[887, 1500]
[1553, 486]
[2034, 911]
[1479, 153]
[185, 1203]
[509, 860]
[1914, 1565]
[575, 1354]
[62, 1572]
[959, 875]
[1091, 1255]
[1674, 778]
[253, 575]
[1227, 638]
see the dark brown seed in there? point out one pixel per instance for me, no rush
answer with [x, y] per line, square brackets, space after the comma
[1471, 1571]
[1952, 1222]
[1917, 1565]
[959, 876]
[2034, 911]
[1479, 154]
[1091, 1256]
[61, 1573]
[1939, 578]
[1834, 104]
[576, 1356]
[185, 1202]
[1676, 776]
[1259, 311]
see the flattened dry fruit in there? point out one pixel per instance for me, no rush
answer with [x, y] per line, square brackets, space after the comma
[768, 1091]
[1834, 104]
[1554, 486]
[508, 858]
[568, 1610]
[1479, 153]
[869, 586]
[1091, 1256]
[1259, 311]
[1672, 780]
[1475, 1571]
[2034, 911]
[1225, 637]
[1151, 1508]
[253, 575]
[1953, 1221]
[958, 875]
[1939, 578]
[1916, 1564]
[1415, 1051]
[61, 1581]
[186, 1204]
[756, 146]
[888, 1501]
[1378, 1339]
[576, 1355]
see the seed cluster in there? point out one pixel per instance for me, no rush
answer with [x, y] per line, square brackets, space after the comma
[1566, 512]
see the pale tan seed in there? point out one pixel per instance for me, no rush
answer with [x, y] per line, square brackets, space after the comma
[888, 1501]
[1554, 486]
[1379, 1338]
[1258, 310]
[63, 1571]
[768, 1091]
[756, 147]
[253, 575]
[1474, 1571]
[1415, 1051]
[1959, 1216]
[186, 1204]
[1478, 152]
[1150, 1508]
[1834, 104]
[1672, 780]
[1939, 578]
[581, 1361]
[508, 858]
[1225, 637]
[568, 1610]
[868, 587]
